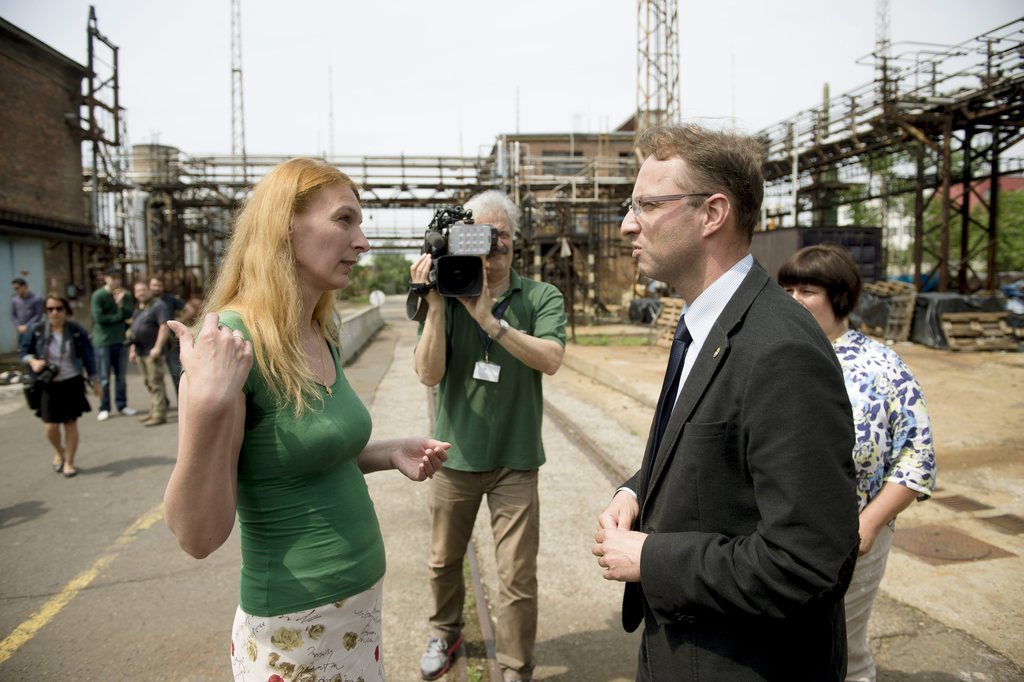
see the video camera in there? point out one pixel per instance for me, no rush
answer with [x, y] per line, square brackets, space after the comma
[455, 245]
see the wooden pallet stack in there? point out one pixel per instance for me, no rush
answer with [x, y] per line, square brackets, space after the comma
[668, 318]
[901, 297]
[979, 331]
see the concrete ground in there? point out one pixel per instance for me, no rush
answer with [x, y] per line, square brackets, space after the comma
[962, 618]
[579, 636]
[92, 586]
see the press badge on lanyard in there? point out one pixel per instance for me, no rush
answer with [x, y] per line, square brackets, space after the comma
[485, 370]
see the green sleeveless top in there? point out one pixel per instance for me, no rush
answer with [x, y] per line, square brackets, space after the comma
[309, 530]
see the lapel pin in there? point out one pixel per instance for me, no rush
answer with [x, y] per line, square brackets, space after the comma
[717, 351]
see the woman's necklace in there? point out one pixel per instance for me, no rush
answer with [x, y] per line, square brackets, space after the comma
[323, 366]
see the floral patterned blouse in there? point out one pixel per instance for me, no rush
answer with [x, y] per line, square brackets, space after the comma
[893, 435]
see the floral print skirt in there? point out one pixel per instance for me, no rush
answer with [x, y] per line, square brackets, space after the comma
[336, 642]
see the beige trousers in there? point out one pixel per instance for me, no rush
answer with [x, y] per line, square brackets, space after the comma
[515, 522]
[152, 370]
[860, 597]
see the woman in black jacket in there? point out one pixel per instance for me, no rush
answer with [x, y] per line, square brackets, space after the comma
[59, 355]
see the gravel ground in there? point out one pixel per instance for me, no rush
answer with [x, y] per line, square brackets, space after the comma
[918, 632]
[962, 620]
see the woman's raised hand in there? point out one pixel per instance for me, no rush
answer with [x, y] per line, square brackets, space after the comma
[216, 362]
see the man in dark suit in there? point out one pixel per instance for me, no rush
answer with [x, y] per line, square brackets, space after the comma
[737, 536]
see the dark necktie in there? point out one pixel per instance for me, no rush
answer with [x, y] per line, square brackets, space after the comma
[680, 342]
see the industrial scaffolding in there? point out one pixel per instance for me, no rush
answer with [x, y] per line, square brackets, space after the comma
[934, 117]
[924, 110]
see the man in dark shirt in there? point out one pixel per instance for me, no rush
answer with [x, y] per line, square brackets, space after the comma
[148, 341]
[26, 307]
[174, 306]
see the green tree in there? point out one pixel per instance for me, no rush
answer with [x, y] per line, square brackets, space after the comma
[358, 283]
[390, 273]
[1009, 232]
[864, 214]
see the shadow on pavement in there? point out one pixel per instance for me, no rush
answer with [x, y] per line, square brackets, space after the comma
[22, 512]
[927, 676]
[608, 654]
[124, 466]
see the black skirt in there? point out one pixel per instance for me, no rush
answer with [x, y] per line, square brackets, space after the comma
[63, 401]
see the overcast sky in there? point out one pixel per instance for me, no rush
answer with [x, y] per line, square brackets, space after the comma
[446, 77]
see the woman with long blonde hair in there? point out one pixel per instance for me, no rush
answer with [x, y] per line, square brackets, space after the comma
[270, 429]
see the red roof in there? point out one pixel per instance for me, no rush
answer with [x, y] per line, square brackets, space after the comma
[1007, 183]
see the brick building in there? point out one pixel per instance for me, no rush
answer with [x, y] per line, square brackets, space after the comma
[45, 233]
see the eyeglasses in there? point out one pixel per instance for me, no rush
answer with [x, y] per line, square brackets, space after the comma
[638, 205]
[57, 309]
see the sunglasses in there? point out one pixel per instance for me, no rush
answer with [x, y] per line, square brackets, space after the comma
[58, 309]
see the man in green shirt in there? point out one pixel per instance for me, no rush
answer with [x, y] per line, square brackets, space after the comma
[488, 355]
[111, 306]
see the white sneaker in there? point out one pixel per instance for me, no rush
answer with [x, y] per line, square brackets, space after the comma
[438, 657]
[129, 412]
[103, 416]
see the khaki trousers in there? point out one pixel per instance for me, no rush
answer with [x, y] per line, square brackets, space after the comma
[515, 522]
[860, 597]
[153, 375]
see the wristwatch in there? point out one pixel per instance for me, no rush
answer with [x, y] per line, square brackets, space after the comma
[502, 328]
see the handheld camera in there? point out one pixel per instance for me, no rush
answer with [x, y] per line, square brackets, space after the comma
[455, 245]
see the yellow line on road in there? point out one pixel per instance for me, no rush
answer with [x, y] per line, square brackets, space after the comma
[27, 630]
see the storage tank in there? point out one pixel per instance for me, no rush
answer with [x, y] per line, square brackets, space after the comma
[155, 164]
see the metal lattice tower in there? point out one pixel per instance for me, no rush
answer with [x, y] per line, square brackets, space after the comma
[657, 72]
[882, 23]
[330, 108]
[237, 97]
[883, 47]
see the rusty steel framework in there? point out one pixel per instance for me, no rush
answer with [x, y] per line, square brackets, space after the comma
[103, 126]
[935, 117]
[194, 197]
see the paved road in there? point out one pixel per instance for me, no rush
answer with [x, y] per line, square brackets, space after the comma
[93, 586]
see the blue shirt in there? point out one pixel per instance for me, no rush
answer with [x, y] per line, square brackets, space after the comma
[26, 311]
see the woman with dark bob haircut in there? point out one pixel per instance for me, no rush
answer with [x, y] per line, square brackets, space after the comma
[893, 452]
[58, 353]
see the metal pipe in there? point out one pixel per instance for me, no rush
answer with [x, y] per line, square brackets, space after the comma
[963, 266]
[796, 182]
[947, 135]
[764, 206]
[919, 216]
[993, 213]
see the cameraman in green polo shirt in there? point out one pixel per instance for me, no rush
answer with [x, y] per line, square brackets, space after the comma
[488, 354]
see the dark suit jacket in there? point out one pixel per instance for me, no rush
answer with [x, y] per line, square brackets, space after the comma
[751, 507]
